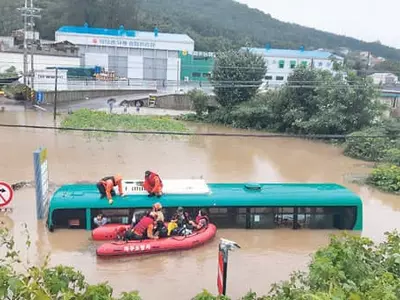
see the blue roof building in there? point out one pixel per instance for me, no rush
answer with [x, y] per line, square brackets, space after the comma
[129, 53]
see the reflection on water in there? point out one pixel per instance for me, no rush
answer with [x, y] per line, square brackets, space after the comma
[270, 254]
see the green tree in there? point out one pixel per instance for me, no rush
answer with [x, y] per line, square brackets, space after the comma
[388, 66]
[21, 280]
[10, 72]
[236, 77]
[311, 98]
[199, 100]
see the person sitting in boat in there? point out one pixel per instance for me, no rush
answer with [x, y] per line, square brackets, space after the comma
[179, 223]
[100, 220]
[157, 208]
[201, 221]
[160, 229]
[144, 229]
[181, 217]
[152, 184]
[106, 187]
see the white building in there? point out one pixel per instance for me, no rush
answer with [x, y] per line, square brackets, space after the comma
[130, 54]
[40, 62]
[281, 62]
[384, 78]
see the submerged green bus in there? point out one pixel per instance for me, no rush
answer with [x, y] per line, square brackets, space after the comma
[229, 205]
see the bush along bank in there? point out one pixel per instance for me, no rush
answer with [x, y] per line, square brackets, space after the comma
[350, 267]
[385, 151]
[311, 102]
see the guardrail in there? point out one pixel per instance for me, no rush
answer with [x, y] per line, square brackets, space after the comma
[82, 85]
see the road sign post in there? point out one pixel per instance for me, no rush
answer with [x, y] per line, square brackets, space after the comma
[223, 249]
[6, 196]
[39, 97]
[41, 181]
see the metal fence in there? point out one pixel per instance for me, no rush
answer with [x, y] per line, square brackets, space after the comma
[130, 84]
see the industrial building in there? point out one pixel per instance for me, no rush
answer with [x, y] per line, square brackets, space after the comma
[129, 53]
[281, 62]
[196, 66]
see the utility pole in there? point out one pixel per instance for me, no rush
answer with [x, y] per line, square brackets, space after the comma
[31, 13]
[55, 96]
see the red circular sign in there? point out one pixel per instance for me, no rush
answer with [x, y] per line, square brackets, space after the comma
[6, 193]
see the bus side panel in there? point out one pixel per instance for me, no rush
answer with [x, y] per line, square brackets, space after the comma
[359, 218]
[88, 219]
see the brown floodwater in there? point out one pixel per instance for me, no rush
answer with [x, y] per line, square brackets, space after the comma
[266, 256]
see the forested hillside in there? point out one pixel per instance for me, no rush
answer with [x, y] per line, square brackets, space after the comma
[213, 24]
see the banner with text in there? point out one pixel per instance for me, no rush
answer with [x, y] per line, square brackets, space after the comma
[41, 181]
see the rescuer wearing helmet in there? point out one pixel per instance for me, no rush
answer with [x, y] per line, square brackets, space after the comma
[144, 229]
[152, 184]
[106, 187]
[161, 229]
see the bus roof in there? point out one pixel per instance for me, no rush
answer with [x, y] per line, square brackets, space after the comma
[81, 196]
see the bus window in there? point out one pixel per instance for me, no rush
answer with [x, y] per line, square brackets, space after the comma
[283, 217]
[114, 215]
[262, 218]
[223, 217]
[69, 218]
[327, 217]
[241, 218]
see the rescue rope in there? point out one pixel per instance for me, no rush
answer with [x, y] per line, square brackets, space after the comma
[264, 135]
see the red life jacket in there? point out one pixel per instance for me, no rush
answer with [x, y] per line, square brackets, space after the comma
[199, 218]
[141, 227]
[151, 178]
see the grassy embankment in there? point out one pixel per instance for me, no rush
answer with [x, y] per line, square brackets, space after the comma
[90, 119]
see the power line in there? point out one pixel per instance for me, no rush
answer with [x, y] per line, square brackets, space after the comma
[134, 65]
[126, 84]
[266, 135]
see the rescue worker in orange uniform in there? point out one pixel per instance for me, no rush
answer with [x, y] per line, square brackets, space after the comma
[144, 229]
[152, 184]
[106, 187]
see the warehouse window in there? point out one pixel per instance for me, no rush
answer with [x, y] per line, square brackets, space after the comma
[196, 74]
[281, 64]
[280, 78]
[292, 64]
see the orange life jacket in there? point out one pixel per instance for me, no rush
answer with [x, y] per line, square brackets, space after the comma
[151, 179]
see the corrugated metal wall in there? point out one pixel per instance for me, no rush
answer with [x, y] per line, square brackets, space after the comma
[118, 64]
[155, 62]
[154, 68]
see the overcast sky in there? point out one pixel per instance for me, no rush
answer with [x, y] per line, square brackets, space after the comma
[369, 20]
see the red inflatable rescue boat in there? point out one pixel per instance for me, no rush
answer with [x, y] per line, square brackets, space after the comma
[173, 243]
[107, 232]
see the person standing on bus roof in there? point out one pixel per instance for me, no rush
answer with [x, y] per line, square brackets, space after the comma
[106, 187]
[152, 184]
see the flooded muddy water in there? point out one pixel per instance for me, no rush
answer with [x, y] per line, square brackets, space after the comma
[269, 254]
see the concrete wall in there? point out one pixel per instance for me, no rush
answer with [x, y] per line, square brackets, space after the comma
[66, 96]
[178, 102]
